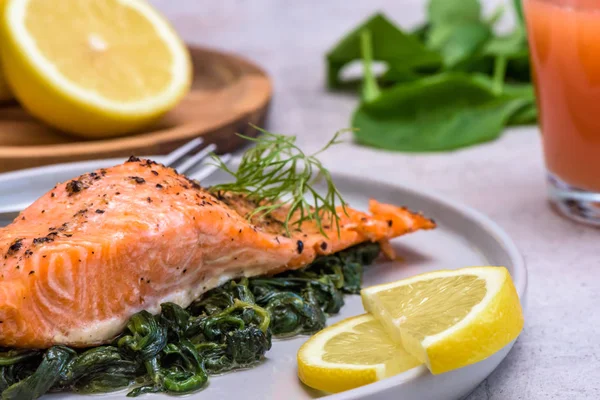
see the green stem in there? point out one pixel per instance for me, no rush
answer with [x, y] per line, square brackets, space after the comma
[499, 74]
[370, 88]
[497, 14]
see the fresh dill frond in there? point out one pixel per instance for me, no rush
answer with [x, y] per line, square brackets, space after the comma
[276, 173]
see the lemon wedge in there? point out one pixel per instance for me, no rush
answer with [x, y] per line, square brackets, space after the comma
[349, 354]
[93, 68]
[449, 319]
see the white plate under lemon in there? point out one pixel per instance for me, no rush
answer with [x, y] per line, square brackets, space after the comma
[444, 319]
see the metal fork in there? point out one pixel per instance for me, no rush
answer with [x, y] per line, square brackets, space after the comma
[185, 159]
[177, 159]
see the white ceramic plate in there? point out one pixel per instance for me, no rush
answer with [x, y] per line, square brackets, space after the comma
[464, 238]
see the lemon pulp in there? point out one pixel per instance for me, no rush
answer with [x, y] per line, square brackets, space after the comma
[93, 68]
[351, 353]
[449, 319]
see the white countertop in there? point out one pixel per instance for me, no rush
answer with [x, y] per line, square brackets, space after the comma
[558, 354]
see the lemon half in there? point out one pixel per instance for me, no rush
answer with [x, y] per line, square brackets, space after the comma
[349, 354]
[449, 319]
[93, 68]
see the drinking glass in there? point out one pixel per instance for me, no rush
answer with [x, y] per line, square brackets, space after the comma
[564, 37]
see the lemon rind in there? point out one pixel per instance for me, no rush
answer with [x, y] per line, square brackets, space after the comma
[498, 285]
[317, 342]
[15, 15]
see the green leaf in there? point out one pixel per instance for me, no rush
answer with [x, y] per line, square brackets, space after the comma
[512, 45]
[421, 32]
[397, 75]
[444, 112]
[453, 11]
[519, 11]
[390, 44]
[458, 42]
[47, 374]
[514, 90]
[526, 115]
[457, 30]
[496, 15]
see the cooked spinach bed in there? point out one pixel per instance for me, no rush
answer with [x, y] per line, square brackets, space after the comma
[229, 327]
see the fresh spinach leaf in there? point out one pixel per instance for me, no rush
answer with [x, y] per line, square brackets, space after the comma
[519, 11]
[511, 89]
[511, 45]
[526, 115]
[453, 11]
[421, 32]
[458, 42]
[395, 75]
[479, 82]
[389, 44]
[444, 112]
[457, 30]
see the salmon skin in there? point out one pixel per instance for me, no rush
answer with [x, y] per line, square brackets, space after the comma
[93, 251]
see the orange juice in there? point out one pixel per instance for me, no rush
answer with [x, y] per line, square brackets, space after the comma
[564, 37]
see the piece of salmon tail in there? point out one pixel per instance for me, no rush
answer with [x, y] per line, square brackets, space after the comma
[86, 256]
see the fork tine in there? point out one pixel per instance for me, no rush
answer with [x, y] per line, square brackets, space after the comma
[177, 155]
[194, 160]
[210, 169]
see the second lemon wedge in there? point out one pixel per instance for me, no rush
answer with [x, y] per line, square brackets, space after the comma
[449, 319]
[93, 68]
[349, 354]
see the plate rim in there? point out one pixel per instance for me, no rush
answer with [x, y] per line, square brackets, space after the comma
[520, 275]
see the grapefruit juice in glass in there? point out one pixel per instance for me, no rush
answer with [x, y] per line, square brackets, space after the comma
[564, 36]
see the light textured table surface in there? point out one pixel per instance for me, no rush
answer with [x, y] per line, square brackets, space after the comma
[558, 354]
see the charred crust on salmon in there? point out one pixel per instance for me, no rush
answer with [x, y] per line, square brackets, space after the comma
[80, 212]
[133, 159]
[195, 184]
[390, 223]
[75, 186]
[15, 247]
[137, 179]
[45, 239]
[155, 173]
[159, 186]
[93, 176]
[323, 245]
[99, 211]
[299, 246]
[148, 163]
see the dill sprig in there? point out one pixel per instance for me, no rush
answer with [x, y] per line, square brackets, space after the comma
[277, 173]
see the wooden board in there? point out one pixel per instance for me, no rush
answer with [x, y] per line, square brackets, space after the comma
[227, 94]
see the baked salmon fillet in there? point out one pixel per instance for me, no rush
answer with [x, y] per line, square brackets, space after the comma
[86, 256]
